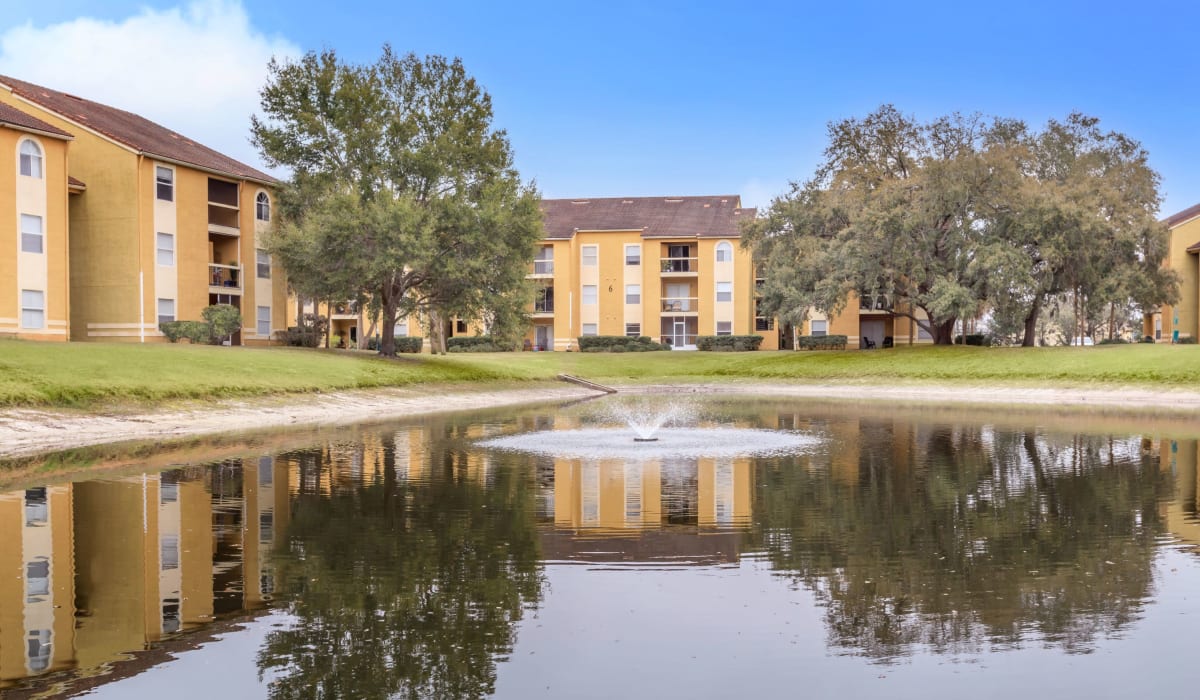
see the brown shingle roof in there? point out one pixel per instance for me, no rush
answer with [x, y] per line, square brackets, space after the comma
[1194, 248]
[1176, 219]
[656, 217]
[133, 130]
[76, 183]
[11, 116]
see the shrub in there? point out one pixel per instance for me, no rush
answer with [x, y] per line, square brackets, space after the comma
[479, 343]
[223, 321]
[1147, 339]
[1112, 341]
[729, 343]
[196, 332]
[972, 339]
[300, 337]
[821, 342]
[409, 344]
[1186, 340]
[610, 343]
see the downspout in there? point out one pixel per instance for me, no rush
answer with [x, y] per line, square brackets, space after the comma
[141, 268]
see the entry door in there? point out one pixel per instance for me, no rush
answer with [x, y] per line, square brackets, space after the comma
[543, 337]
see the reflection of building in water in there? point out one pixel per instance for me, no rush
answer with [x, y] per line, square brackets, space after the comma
[1181, 458]
[114, 566]
[37, 629]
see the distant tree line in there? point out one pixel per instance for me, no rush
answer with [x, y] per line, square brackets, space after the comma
[967, 216]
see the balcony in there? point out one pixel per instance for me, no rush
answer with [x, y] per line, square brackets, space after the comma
[543, 303]
[877, 302]
[675, 305]
[345, 310]
[543, 268]
[680, 267]
[224, 279]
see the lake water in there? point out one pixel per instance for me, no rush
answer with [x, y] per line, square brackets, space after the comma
[858, 550]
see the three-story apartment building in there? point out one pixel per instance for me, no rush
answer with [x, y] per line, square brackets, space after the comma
[1172, 323]
[165, 227]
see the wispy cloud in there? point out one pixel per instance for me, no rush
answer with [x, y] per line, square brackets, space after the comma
[196, 68]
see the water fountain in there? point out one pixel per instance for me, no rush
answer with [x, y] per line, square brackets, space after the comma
[645, 428]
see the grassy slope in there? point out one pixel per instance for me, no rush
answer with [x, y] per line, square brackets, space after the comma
[81, 374]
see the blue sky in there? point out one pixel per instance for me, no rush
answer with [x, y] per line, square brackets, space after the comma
[674, 98]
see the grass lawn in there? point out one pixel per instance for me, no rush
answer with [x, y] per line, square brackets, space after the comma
[86, 374]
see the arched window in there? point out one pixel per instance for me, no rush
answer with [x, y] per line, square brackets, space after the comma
[262, 207]
[31, 159]
[724, 252]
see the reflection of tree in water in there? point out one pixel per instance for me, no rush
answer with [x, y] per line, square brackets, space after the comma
[402, 590]
[957, 538]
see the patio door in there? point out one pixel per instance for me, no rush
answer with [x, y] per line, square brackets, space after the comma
[679, 333]
[543, 338]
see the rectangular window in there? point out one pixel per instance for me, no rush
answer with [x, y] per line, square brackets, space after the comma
[590, 255]
[633, 254]
[633, 294]
[401, 330]
[724, 327]
[590, 329]
[37, 579]
[819, 328]
[33, 308]
[633, 330]
[31, 234]
[1158, 328]
[543, 264]
[166, 248]
[724, 291]
[37, 510]
[169, 546]
[460, 327]
[164, 181]
[923, 334]
[264, 320]
[263, 263]
[166, 310]
[590, 294]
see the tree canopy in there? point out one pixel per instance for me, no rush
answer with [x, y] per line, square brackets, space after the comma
[965, 215]
[401, 192]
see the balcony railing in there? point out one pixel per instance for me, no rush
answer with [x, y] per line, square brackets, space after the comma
[543, 267]
[680, 265]
[345, 309]
[225, 276]
[762, 323]
[682, 304]
[678, 341]
[878, 302]
[543, 306]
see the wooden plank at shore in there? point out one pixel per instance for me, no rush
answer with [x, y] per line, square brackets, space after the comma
[585, 383]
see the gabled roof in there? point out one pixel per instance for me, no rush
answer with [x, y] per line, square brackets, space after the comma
[132, 130]
[656, 217]
[13, 117]
[1186, 215]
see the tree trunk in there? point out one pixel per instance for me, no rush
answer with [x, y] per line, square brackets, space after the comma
[387, 343]
[943, 333]
[328, 321]
[1030, 338]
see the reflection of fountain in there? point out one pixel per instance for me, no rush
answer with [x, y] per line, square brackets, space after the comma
[658, 434]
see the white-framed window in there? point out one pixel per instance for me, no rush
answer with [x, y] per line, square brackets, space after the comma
[590, 294]
[590, 329]
[819, 327]
[31, 159]
[923, 334]
[724, 252]
[633, 330]
[262, 207]
[169, 546]
[165, 243]
[32, 236]
[1158, 327]
[633, 294]
[724, 327]
[724, 291]
[543, 262]
[33, 308]
[590, 255]
[262, 262]
[401, 330]
[164, 184]
[166, 310]
[263, 320]
[633, 254]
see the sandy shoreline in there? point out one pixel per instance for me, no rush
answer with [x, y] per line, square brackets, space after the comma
[26, 432]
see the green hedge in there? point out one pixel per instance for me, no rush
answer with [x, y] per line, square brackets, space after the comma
[1186, 340]
[618, 343]
[972, 339]
[1112, 341]
[479, 343]
[821, 342]
[729, 343]
[198, 332]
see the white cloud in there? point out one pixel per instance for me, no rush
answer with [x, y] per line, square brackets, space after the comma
[196, 69]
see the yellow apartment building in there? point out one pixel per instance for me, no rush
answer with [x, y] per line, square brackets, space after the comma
[1171, 323]
[670, 268]
[165, 227]
[33, 236]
